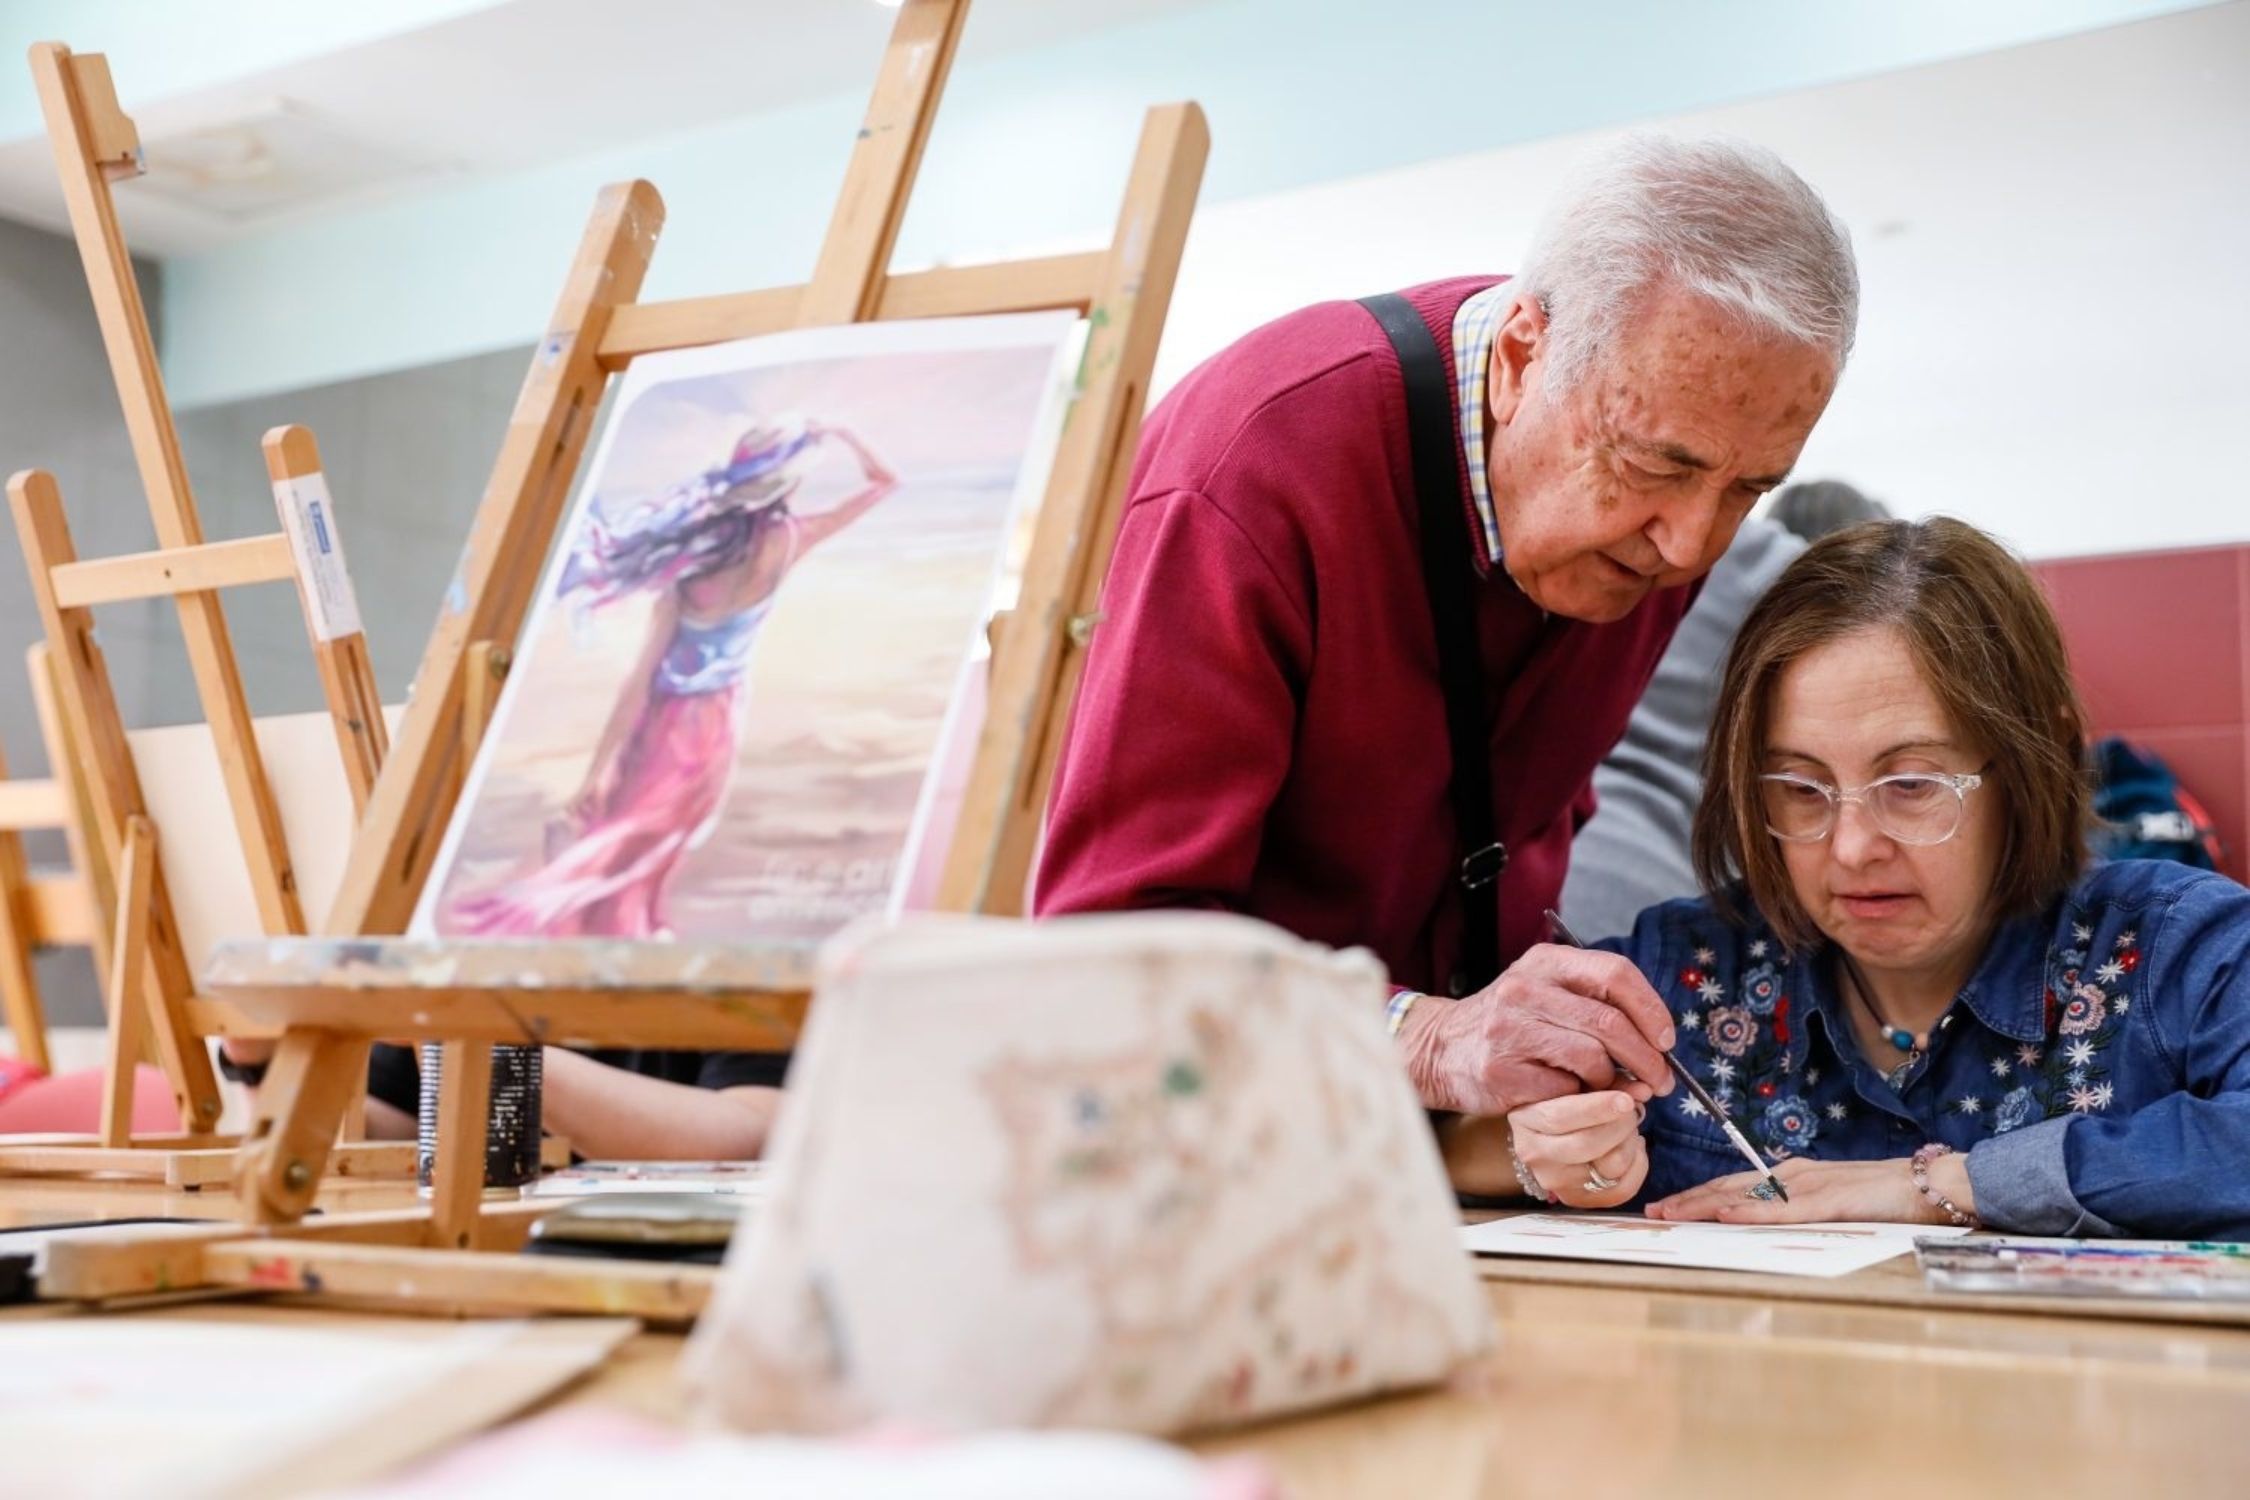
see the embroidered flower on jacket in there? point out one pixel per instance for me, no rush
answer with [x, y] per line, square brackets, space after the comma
[2085, 1010]
[1730, 1030]
[1760, 988]
[1706, 957]
[2028, 1055]
[2001, 1067]
[2103, 1094]
[1790, 1122]
[2084, 1100]
[1968, 1104]
[1690, 1019]
[1758, 948]
[2081, 933]
[2079, 1054]
[1721, 1069]
[1838, 1110]
[2016, 1108]
[2110, 972]
[1692, 1107]
[1710, 989]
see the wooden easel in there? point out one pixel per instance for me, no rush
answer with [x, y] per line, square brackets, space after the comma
[47, 911]
[95, 143]
[345, 999]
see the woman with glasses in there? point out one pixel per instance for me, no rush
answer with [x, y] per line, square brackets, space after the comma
[1906, 985]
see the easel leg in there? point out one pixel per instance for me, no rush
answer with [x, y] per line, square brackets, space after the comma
[313, 1077]
[128, 1001]
[457, 1184]
[19, 989]
[347, 679]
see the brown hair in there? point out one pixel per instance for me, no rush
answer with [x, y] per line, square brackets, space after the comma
[1983, 638]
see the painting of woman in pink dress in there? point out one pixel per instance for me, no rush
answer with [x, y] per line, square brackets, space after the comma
[715, 550]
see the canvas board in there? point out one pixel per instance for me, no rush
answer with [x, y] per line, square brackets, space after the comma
[197, 844]
[749, 645]
[1775, 1249]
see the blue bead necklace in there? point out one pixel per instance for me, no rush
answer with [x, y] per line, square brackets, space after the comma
[1898, 1036]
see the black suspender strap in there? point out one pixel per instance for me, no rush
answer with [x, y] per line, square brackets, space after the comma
[1447, 577]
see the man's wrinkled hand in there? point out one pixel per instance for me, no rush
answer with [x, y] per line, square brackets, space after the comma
[1558, 1021]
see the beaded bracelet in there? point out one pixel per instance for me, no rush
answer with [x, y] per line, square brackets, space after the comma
[1951, 1210]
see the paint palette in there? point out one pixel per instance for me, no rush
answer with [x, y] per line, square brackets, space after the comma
[2179, 1270]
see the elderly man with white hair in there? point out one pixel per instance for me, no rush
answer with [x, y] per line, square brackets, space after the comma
[1392, 574]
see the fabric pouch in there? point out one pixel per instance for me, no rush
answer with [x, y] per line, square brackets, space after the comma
[1158, 1171]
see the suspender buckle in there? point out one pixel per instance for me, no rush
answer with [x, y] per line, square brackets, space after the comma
[1483, 867]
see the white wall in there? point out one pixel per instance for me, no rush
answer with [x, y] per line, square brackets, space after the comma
[2055, 248]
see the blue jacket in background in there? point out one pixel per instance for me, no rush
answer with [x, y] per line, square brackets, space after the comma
[2096, 1069]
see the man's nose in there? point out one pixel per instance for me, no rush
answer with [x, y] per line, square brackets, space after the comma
[1682, 532]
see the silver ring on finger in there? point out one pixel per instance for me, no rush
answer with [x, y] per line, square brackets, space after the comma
[1597, 1183]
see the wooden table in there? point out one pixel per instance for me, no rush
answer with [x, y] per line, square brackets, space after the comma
[1617, 1389]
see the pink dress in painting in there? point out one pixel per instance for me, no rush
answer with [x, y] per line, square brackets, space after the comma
[719, 547]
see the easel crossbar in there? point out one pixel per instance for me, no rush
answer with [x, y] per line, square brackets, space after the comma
[177, 570]
[1055, 282]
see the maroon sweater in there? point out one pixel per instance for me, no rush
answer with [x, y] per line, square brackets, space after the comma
[1261, 727]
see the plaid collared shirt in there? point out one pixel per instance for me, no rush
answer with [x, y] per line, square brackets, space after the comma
[1474, 325]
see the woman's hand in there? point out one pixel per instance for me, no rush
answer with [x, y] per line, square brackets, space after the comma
[1824, 1191]
[1564, 1142]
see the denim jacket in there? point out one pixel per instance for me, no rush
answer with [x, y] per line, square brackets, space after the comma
[2096, 1069]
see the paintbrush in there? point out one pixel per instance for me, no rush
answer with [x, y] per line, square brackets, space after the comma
[1702, 1095]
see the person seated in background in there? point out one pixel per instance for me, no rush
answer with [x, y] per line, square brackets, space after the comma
[618, 1103]
[1904, 981]
[1633, 852]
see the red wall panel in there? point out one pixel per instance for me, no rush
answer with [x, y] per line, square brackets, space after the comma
[2160, 642]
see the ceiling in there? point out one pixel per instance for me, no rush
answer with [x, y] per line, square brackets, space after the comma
[514, 85]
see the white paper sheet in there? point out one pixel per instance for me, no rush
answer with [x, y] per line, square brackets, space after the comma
[593, 1179]
[1777, 1249]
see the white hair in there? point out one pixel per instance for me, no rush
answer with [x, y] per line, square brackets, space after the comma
[1718, 219]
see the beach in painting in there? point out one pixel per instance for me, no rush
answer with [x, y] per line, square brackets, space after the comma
[849, 678]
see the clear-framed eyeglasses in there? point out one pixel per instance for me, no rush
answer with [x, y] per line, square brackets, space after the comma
[1913, 807]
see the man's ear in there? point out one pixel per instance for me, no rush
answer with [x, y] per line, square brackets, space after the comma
[1516, 347]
